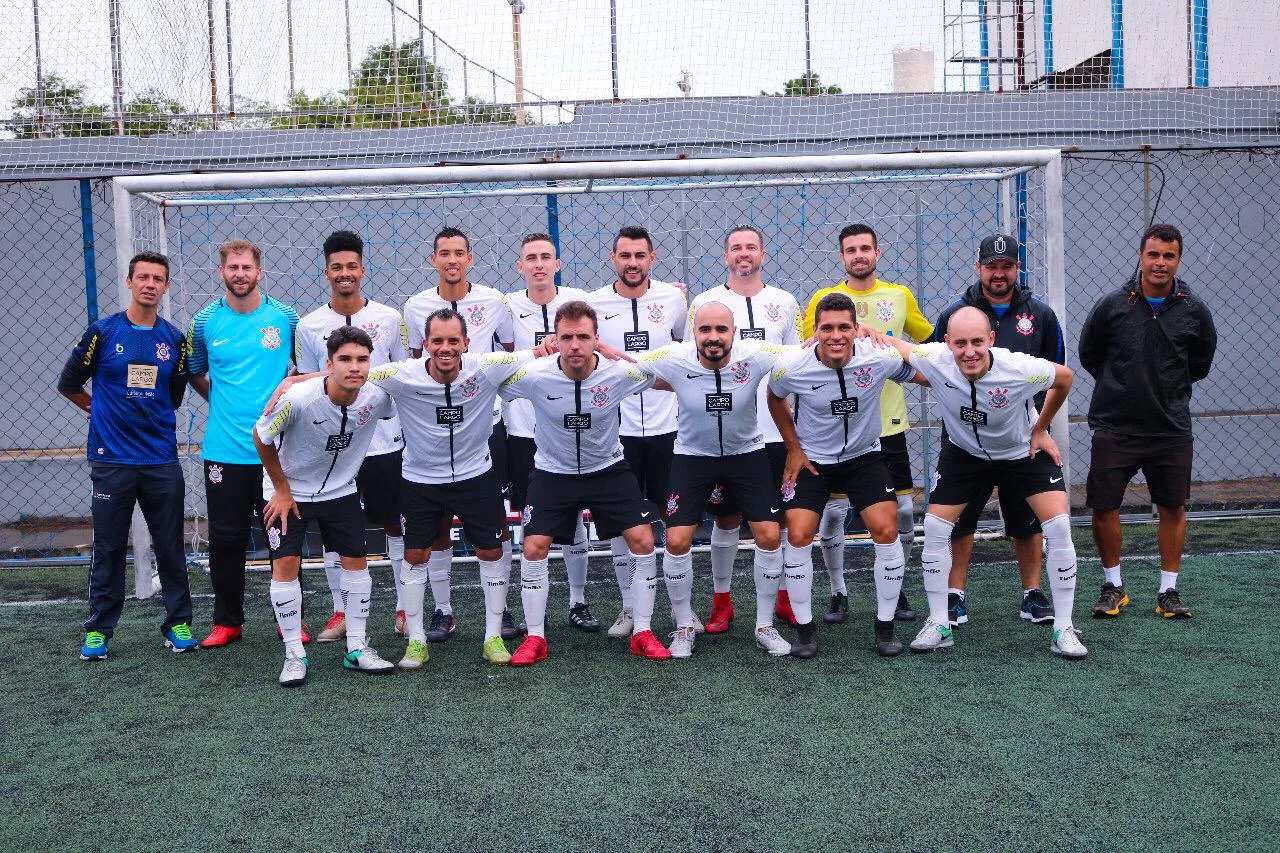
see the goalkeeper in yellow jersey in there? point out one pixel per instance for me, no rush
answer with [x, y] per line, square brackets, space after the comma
[891, 309]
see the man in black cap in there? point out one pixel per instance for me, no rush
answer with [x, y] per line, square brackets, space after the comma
[1023, 323]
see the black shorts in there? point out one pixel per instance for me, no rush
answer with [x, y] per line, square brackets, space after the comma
[961, 478]
[612, 495]
[378, 485]
[1019, 518]
[723, 501]
[520, 452]
[1165, 462]
[865, 479]
[898, 461]
[498, 454]
[650, 460]
[341, 523]
[701, 483]
[476, 502]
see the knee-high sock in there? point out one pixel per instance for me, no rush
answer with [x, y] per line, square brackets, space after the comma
[623, 567]
[395, 554]
[575, 564]
[889, 568]
[677, 572]
[644, 588]
[533, 595]
[333, 575]
[767, 568]
[358, 587]
[935, 565]
[798, 570]
[440, 566]
[495, 576]
[286, 597]
[1061, 567]
[413, 591]
[724, 551]
[831, 534]
[906, 525]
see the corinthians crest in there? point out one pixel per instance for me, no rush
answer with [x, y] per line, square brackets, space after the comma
[364, 415]
[599, 395]
[1025, 324]
[468, 389]
[862, 377]
[270, 337]
[739, 372]
[998, 398]
[475, 315]
[656, 313]
[773, 312]
[162, 352]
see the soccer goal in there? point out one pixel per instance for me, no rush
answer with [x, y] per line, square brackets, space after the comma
[930, 211]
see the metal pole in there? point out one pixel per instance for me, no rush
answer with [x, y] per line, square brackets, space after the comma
[293, 105]
[808, 58]
[395, 69]
[423, 88]
[613, 44]
[40, 127]
[86, 241]
[231, 77]
[346, 11]
[1055, 268]
[213, 72]
[117, 71]
[516, 8]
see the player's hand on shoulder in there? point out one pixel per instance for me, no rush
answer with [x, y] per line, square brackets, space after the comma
[614, 354]
[550, 346]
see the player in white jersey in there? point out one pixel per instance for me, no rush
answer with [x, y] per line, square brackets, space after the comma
[994, 436]
[446, 404]
[638, 314]
[761, 312]
[490, 329]
[312, 442]
[719, 447]
[533, 311]
[837, 387]
[580, 464]
[378, 482]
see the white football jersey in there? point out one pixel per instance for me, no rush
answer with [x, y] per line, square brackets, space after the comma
[718, 415]
[321, 445]
[576, 420]
[837, 411]
[384, 325]
[532, 323]
[772, 316]
[447, 427]
[990, 418]
[642, 325]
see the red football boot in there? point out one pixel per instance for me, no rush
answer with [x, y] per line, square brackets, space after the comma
[783, 608]
[221, 635]
[532, 650]
[306, 638]
[721, 613]
[645, 644]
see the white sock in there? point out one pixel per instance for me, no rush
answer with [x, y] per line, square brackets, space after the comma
[575, 563]
[533, 595]
[798, 572]
[1168, 580]
[495, 576]
[935, 565]
[333, 575]
[955, 590]
[831, 534]
[395, 554]
[286, 597]
[889, 568]
[440, 565]
[1112, 575]
[724, 551]
[1060, 564]
[767, 568]
[623, 567]
[413, 591]
[906, 525]
[358, 587]
[644, 589]
[677, 572]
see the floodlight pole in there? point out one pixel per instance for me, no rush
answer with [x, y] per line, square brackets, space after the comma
[117, 62]
[213, 71]
[35, 13]
[613, 44]
[517, 8]
[288, 22]
[808, 54]
[231, 77]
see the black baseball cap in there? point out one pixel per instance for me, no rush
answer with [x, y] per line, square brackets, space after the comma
[998, 246]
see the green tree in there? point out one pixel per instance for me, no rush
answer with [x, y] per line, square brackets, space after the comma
[393, 87]
[809, 83]
[66, 112]
[324, 112]
[151, 112]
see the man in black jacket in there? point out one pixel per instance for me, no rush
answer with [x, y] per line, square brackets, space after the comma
[1145, 344]
[1023, 323]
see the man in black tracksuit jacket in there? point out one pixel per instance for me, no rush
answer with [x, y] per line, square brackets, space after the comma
[1023, 323]
[1145, 344]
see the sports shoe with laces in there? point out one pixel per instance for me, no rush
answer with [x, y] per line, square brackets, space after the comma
[221, 635]
[335, 629]
[647, 645]
[932, 636]
[772, 642]
[837, 610]
[95, 646]
[368, 660]
[698, 627]
[495, 652]
[1110, 601]
[179, 639]
[442, 625]
[294, 672]
[1169, 605]
[510, 630]
[721, 613]
[682, 642]
[531, 651]
[1066, 643]
[415, 655]
[401, 623]
[624, 624]
[957, 613]
[1036, 608]
[783, 608]
[806, 644]
[903, 612]
[580, 617]
[887, 645]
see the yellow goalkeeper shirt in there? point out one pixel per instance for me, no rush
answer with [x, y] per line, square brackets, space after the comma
[889, 308]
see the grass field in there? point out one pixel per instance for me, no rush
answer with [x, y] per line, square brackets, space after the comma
[1164, 739]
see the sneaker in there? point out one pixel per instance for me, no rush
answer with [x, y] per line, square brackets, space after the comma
[415, 655]
[624, 625]
[1066, 643]
[783, 608]
[401, 623]
[305, 637]
[580, 617]
[646, 645]
[1169, 605]
[294, 672]
[334, 630]
[221, 635]
[368, 660]
[772, 642]
[1110, 601]
[904, 613]
[1036, 609]
[531, 651]
[932, 636]
[179, 639]
[442, 625]
[806, 644]
[837, 610]
[721, 613]
[512, 631]
[698, 627]
[95, 646]
[887, 645]
[495, 652]
[957, 614]
[682, 643]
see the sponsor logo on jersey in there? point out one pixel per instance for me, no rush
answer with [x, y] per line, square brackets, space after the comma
[88, 353]
[101, 496]
[469, 389]
[475, 315]
[599, 396]
[884, 310]
[162, 352]
[717, 495]
[773, 312]
[862, 377]
[739, 372]
[339, 442]
[364, 415]
[270, 337]
[673, 503]
[383, 373]
[656, 313]
[273, 537]
[1025, 325]
[215, 473]
[998, 398]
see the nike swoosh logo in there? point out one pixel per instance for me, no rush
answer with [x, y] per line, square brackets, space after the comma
[364, 601]
[816, 387]
[773, 509]
[691, 376]
[890, 489]
[610, 316]
[549, 397]
[281, 603]
[317, 423]
[1055, 479]
[949, 385]
[644, 515]
[219, 342]
[522, 316]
